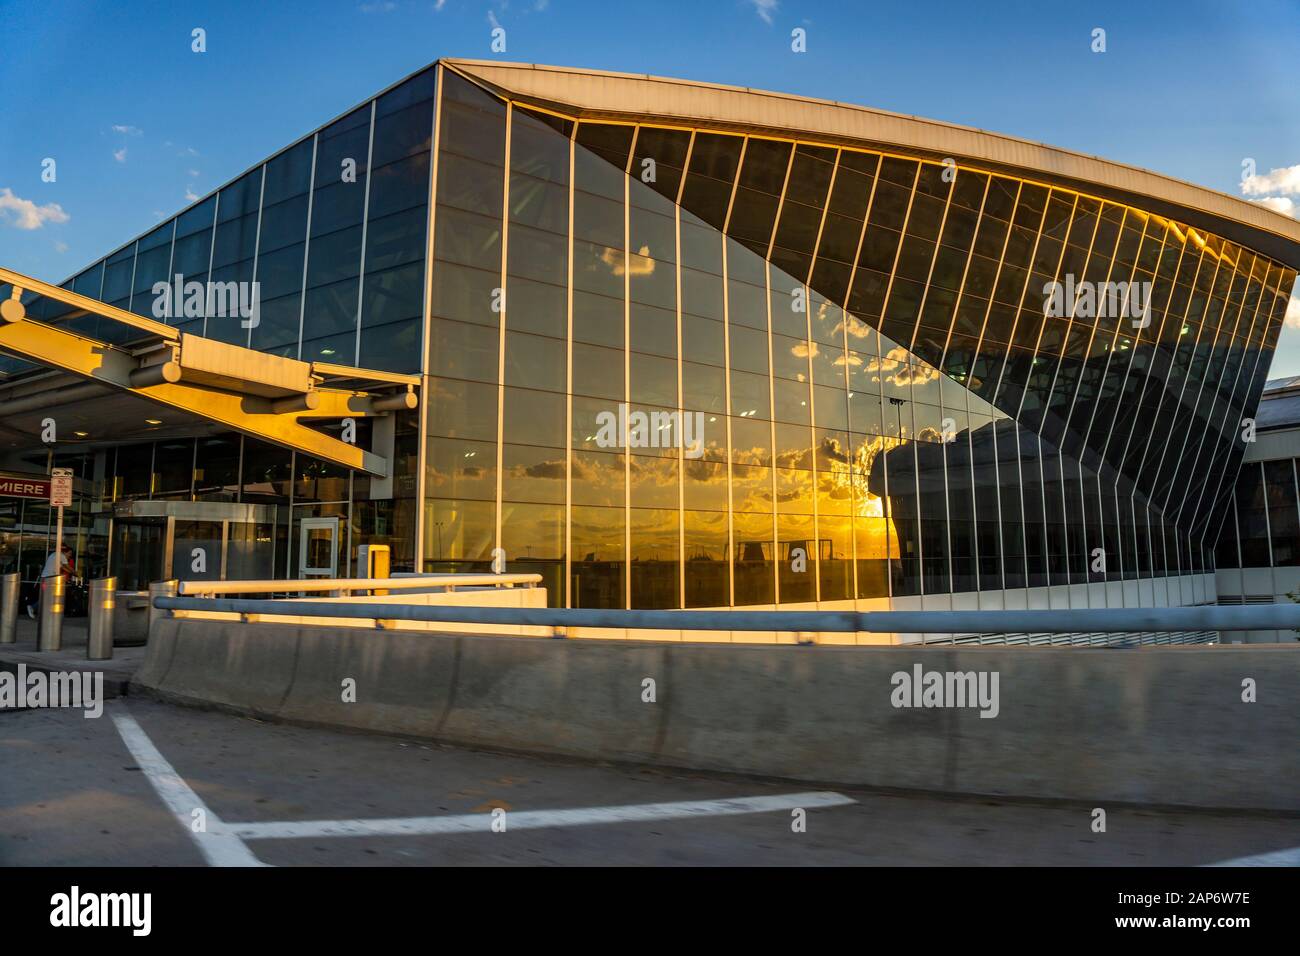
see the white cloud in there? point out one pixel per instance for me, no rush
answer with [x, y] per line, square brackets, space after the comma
[1282, 204]
[127, 130]
[190, 194]
[120, 154]
[60, 247]
[380, 6]
[1292, 319]
[764, 9]
[25, 214]
[492, 19]
[194, 174]
[438, 5]
[1285, 180]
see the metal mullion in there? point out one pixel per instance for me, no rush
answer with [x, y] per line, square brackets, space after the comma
[848, 381]
[1047, 404]
[257, 248]
[979, 349]
[1191, 362]
[430, 219]
[1245, 398]
[212, 252]
[1015, 417]
[1205, 435]
[1295, 484]
[568, 382]
[1200, 394]
[911, 348]
[681, 408]
[1155, 340]
[1037, 437]
[812, 405]
[726, 356]
[1173, 359]
[771, 385]
[1146, 379]
[306, 245]
[826, 207]
[1074, 399]
[627, 366]
[1092, 420]
[1187, 311]
[170, 262]
[365, 223]
[1114, 341]
[1137, 488]
[884, 307]
[961, 288]
[1236, 532]
[1092, 335]
[501, 324]
[970, 442]
[135, 259]
[853, 484]
[1268, 521]
[862, 234]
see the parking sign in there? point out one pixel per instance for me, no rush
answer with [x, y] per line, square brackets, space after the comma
[61, 488]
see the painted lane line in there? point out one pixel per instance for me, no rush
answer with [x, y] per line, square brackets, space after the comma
[218, 844]
[535, 819]
[1289, 857]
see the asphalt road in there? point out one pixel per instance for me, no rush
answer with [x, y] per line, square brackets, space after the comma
[74, 793]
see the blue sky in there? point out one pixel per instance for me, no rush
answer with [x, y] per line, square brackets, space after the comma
[137, 122]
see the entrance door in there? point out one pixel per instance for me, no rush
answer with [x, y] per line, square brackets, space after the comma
[140, 552]
[318, 548]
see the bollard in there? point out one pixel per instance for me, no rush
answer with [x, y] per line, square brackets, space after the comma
[51, 623]
[10, 598]
[99, 639]
[159, 589]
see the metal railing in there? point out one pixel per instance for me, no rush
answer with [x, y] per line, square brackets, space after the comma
[958, 625]
[414, 582]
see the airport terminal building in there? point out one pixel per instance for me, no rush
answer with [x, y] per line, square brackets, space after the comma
[668, 344]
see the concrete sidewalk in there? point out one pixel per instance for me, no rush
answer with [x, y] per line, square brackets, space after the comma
[72, 657]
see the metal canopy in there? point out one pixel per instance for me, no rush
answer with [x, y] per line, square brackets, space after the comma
[262, 395]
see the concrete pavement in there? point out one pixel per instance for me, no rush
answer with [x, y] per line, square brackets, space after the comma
[73, 794]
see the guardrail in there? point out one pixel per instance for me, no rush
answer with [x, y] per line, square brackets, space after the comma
[1073, 621]
[421, 582]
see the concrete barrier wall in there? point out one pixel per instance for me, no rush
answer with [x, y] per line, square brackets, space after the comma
[1156, 725]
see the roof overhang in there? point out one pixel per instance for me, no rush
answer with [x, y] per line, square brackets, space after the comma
[630, 97]
[258, 394]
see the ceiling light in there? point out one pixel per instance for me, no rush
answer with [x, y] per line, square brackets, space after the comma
[153, 421]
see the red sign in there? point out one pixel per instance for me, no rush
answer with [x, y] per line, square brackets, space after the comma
[14, 487]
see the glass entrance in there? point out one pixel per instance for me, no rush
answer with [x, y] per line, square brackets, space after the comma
[192, 541]
[139, 552]
[318, 548]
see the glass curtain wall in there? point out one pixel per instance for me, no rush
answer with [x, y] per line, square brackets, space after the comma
[332, 230]
[689, 368]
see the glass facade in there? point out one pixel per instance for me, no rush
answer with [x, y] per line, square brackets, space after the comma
[332, 229]
[885, 408]
[676, 367]
[1260, 525]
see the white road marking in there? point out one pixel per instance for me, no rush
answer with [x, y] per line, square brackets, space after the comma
[533, 819]
[1289, 857]
[218, 843]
